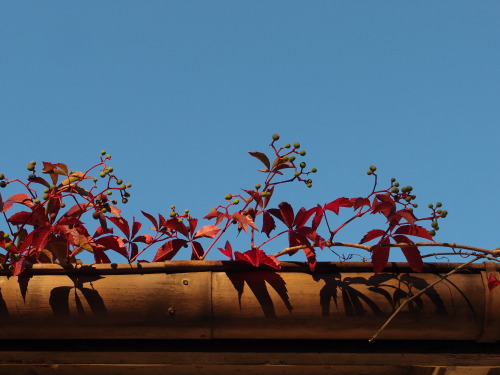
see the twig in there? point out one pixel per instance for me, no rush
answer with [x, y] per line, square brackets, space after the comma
[441, 278]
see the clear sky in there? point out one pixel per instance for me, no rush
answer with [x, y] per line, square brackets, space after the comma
[179, 91]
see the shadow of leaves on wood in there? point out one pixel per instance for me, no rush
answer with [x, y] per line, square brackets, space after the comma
[257, 282]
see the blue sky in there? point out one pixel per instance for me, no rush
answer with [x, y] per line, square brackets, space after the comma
[179, 91]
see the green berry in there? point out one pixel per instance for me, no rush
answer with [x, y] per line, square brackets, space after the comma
[439, 204]
[104, 210]
[395, 190]
[369, 173]
[314, 170]
[228, 197]
[45, 196]
[302, 164]
[63, 204]
[33, 162]
[396, 184]
[276, 137]
[236, 201]
[3, 184]
[415, 205]
[127, 195]
[114, 201]
[430, 205]
[103, 152]
[432, 233]
[123, 187]
[102, 174]
[296, 174]
[30, 167]
[31, 176]
[434, 224]
[309, 185]
[393, 179]
[6, 235]
[186, 211]
[172, 214]
[8, 245]
[2, 177]
[408, 199]
[36, 201]
[109, 192]
[291, 158]
[296, 145]
[129, 185]
[124, 200]
[257, 186]
[119, 181]
[95, 180]
[302, 153]
[108, 156]
[285, 158]
[110, 169]
[439, 212]
[373, 168]
[287, 145]
[444, 214]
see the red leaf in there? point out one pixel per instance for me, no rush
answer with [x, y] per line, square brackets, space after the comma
[100, 231]
[244, 221]
[115, 211]
[209, 231]
[268, 260]
[302, 217]
[152, 219]
[227, 251]
[360, 202]
[411, 253]
[287, 214]
[268, 224]
[337, 203]
[22, 199]
[262, 157]
[175, 224]
[386, 208]
[414, 230]
[136, 226]
[197, 250]
[114, 243]
[5, 206]
[311, 258]
[145, 238]
[121, 224]
[374, 233]
[250, 256]
[313, 236]
[19, 267]
[319, 214]
[99, 255]
[77, 209]
[407, 215]
[380, 256]
[493, 282]
[168, 250]
[219, 216]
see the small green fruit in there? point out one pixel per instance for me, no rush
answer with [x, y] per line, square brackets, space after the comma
[302, 164]
[395, 190]
[172, 214]
[430, 205]
[102, 174]
[396, 184]
[119, 181]
[114, 201]
[129, 185]
[302, 153]
[95, 180]
[124, 200]
[291, 158]
[373, 168]
[314, 170]
[393, 179]
[186, 211]
[31, 176]
[285, 158]
[236, 201]
[110, 169]
[434, 224]
[30, 167]
[2, 176]
[109, 192]
[63, 205]
[309, 185]
[36, 201]
[3, 184]
[408, 199]
[296, 145]
[432, 233]
[257, 186]
[439, 204]
[228, 197]
[6, 235]
[287, 145]
[276, 137]
[103, 152]
[104, 210]
[45, 196]
[33, 162]
[8, 245]
[296, 174]
[369, 173]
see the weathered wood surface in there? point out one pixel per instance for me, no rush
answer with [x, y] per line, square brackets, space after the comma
[164, 301]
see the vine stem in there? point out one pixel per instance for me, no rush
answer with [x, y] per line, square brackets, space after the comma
[495, 253]
[441, 278]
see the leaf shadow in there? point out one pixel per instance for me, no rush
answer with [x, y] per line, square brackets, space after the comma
[59, 297]
[4, 312]
[257, 282]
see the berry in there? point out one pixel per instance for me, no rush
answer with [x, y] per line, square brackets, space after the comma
[439, 204]
[430, 205]
[257, 186]
[95, 180]
[302, 164]
[108, 156]
[287, 145]
[104, 210]
[119, 181]
[6, 235]
[63, 204]
[129, 185]
[172, 214]
[32, 176]
[124, 200]
[373, 168]
[408, 199]
[96, 215]
[37, 201]
[45, 196]
[33, 162]
[110, 169]
[123, 187]
[103, 152]
[291, 158]
[444, 214]
[186, 211]
[395, 190]
[396, 184]
[3, 184]
[314, 170]
[109, 192]
[276, 137]
[8, 245]
[302, 153]
[309, 185]
[30, 167]
[102, 174]
[2, 176]
[236, 201]
[434, 224]
[228, 197]
[296, 174]
[432, 233]
[439, 212]
[393, 179]
[415, 205]
[114, 201]
[369, 173]
[127, 195]
[296, 145]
